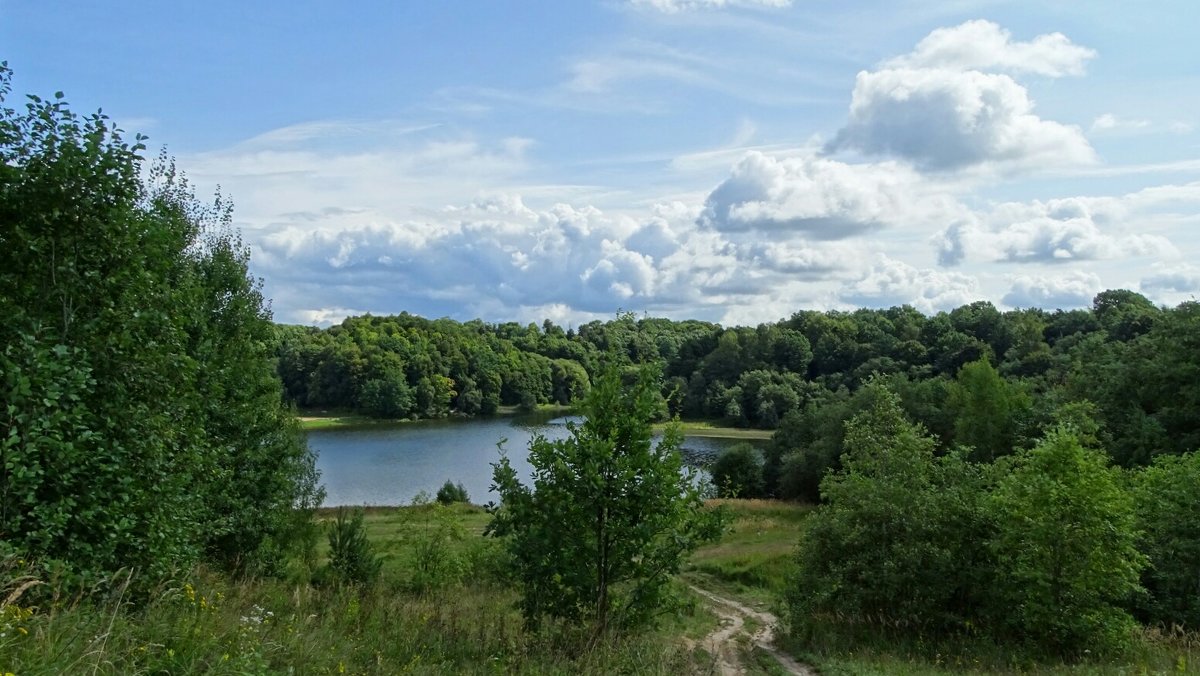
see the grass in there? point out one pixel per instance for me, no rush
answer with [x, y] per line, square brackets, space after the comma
[1151, 654]
[336, 419]
[323, 420]
[447, 609]
[707, 428]
[752, 560]
[461, 620]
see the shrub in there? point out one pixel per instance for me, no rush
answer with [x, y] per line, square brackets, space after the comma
[1065, 541]
[451, 493]
[352, 558]
[435, 545]
[738, 472]
[1167, 500]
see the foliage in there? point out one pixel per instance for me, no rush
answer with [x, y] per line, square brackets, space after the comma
[609, 517]
[987, 410]
[1167, 500]
[1065, 540]
[738, 472]
[141, 422]
[450, 493]
[897, 546]
[431, 536]
[352, 558]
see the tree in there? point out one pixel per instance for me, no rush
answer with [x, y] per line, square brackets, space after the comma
[141, 420]
[1066, 536]
[451, 493]
[987, 410]
[738, 472]
[897, 544]
[610, 516]
[1168, 520]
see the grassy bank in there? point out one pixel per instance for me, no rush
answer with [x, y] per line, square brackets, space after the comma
[320, 420]
[440, 607]
[706, 428]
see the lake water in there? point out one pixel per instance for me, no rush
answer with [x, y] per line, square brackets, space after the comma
[388, 465]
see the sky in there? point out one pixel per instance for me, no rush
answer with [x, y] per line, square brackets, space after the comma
[727, 160]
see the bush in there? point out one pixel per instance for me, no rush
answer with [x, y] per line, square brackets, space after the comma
[451, 493]
[1167, 499]
[1065, 536]
[352, 558]
[436, 551]
[738, 472]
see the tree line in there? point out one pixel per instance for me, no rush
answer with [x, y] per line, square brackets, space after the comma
[1124, 369]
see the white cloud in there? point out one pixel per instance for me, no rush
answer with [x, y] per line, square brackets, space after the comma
[326, 316]
[1109, 122]
[1180, 278]
[817, 197]
[600, 75]
[943, 119]
[1056, 231]
[1071, 290]
[892, 282]
[674, 6]
[983, 45]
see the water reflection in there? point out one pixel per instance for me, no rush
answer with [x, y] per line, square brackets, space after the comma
[388, 465]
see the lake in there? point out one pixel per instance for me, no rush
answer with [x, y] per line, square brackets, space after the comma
[388, 465]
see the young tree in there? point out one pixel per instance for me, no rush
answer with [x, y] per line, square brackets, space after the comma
[987, 409]
[1065, 535]
[610, 515]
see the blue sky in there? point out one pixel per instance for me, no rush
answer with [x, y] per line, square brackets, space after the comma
[730, 160]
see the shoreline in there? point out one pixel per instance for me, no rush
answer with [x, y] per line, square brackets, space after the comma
[320, 420]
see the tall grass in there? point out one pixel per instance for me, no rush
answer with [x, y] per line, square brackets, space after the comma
[207, 623]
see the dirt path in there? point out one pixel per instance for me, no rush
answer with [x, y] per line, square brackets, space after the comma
[722, 644]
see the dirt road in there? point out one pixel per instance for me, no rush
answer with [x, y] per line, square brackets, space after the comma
[723, 644]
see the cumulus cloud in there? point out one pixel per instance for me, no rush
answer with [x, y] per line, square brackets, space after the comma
[952, 103]
[499, 252]
[1054, 231]
[1072, 290]
[983, 45]
[943, 119]
[1181, 279]
[892, 282]
[675, 6]
[817, 197]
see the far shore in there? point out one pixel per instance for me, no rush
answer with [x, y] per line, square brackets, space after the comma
[323, 420]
